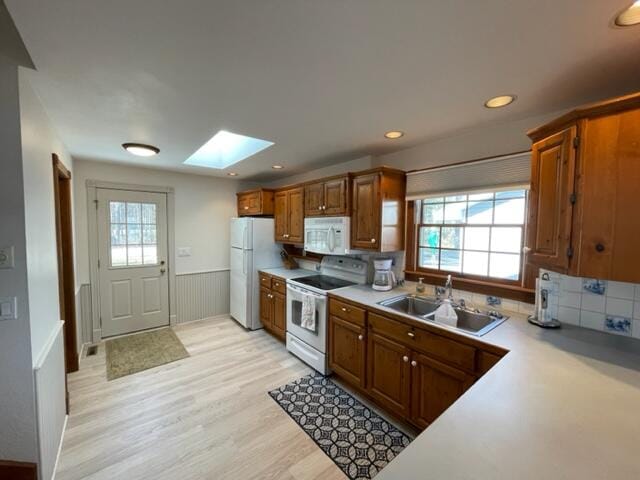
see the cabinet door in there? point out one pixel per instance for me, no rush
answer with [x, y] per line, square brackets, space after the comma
[389, 372]
[335, 197]
[280, 216]
[266, 309]
[434, 388]
[295, 204]
[314, 199]
[347, 350]
[279, 314]
[365, 218]
[550, 208]
[609, 173]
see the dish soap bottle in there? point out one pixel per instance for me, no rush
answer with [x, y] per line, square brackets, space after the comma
[420, 287]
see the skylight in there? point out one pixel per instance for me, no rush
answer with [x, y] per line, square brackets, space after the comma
[225, 149]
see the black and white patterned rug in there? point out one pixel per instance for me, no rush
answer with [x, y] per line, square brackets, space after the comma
[358, 440]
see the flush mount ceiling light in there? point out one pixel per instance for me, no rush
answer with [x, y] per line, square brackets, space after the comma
[629, 16]
[225, 149]
[140, 149]
[277, 167]
[393, 134]
[232, 174]
[500, 101]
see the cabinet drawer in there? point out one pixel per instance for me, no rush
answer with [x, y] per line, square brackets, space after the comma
[347, 312]
[265, 280]
[417, 339]
[279, 285]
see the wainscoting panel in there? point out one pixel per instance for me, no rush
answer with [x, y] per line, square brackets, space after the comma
[202, 295]
[50, 401]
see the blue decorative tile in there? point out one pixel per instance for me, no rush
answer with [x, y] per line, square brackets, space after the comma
[493, 301]
[619, 325]
[594, 286]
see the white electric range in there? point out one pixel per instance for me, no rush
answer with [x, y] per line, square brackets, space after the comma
[310, 345]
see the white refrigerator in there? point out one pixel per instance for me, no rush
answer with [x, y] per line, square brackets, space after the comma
[252, 248]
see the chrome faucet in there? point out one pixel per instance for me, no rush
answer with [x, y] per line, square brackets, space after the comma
[449, 287]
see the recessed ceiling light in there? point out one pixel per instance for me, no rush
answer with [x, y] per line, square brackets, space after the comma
[225, 149]
[232, 174]
[277, 167]
[500, 101]
[140, 149]
[393, 134]
[629, 16]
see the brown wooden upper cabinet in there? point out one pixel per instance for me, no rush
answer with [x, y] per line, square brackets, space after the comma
[329, 197]
[289, 215]
[582, 217]
[255, 202]
[377, 218]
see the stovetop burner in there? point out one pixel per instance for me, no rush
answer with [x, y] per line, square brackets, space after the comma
[323, 282]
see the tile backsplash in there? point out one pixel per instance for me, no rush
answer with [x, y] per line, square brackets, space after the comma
[612, 307]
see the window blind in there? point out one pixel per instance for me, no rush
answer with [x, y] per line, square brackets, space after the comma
[505, 172]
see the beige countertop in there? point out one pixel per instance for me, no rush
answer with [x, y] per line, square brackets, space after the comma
[562, 404]
[287, 274]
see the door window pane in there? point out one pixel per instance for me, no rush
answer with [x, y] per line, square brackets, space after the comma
[133, 224]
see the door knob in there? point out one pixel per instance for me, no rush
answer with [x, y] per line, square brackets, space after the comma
[405, 359]
[360, 337]
[163, 270]
[373, 240]
[161, 262]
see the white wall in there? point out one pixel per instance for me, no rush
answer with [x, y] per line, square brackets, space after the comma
[479, 142]
[17, 397]
[39, 141]
[356, 165]
[203, 207]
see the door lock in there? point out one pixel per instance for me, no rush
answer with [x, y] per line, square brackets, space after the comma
[163, 270]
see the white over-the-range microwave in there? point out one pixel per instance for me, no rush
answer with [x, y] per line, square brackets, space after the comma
[327, 235]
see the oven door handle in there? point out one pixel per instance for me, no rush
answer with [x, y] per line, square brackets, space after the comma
[304, 292]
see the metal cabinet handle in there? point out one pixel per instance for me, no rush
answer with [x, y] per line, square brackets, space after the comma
[373, 240]
[277, 284]
[414, 363]
[344, 309]
[246, 207]
[360, 337]
[405, 359]
[411, 334]
[526, 249]
[599, 247]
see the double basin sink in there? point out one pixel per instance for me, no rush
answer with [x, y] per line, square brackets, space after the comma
[424, 308]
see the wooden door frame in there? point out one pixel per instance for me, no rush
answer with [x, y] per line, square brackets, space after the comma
[66, 275]
[92, 218]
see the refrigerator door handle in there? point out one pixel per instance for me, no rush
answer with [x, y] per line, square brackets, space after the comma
[244, 262]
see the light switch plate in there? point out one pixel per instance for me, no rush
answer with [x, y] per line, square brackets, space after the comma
[184, 251]
[6, 257]
[8, 308]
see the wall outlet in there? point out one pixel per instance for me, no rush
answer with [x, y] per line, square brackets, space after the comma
[8, 308]
[6, 257]
[184, 251]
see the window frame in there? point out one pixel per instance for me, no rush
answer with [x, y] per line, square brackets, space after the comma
[415, 223]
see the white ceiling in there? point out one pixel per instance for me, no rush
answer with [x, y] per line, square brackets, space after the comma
[323, 79]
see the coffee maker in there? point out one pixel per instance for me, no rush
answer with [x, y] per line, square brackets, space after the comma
[383, 279]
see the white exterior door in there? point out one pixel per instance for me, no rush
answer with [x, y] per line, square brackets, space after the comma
[132, 249]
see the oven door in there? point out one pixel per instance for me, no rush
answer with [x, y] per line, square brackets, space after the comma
[316, 338]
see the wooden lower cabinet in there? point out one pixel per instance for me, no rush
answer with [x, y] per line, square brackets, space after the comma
[434, 388]
[347, 352]
[273, 307]
[389, 374]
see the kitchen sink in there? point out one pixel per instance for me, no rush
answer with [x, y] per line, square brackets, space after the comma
[470, 321]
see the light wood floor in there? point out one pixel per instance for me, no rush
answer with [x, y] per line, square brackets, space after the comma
[204, 417]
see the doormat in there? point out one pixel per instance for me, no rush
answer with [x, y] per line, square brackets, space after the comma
[359, 441]
[135, 353]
